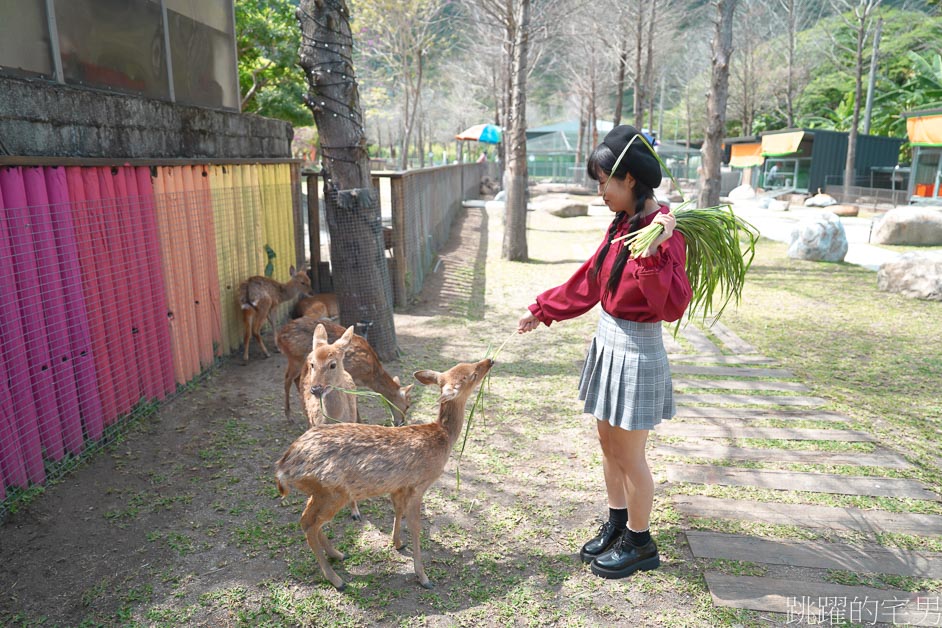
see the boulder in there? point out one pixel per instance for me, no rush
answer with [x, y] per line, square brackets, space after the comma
[821, 239]
[742, 192]
[820, 200]
[563, 207]
[778, 206]
[915, 275]
[909, 225]
[844, 210]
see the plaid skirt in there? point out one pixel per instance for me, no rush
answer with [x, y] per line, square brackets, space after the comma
[626, 379]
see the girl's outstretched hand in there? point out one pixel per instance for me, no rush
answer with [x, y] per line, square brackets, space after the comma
[529, 322]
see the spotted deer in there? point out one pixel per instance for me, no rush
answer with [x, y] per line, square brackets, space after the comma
[337, 463]
[319, 305]
[360, 361]
[258, 296]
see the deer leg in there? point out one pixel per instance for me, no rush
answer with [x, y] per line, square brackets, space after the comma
[354, 511]
[291, 377]
[414, 518]
[247, 324]
[331, 551]
[400, 500]
[256, 332]
[315, 515]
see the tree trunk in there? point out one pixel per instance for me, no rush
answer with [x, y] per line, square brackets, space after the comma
[515, 212]
[790, 80]
[850, 163]
[638, 108]
[649, 67]
[716, 104]
[620, 81]
[358, 262]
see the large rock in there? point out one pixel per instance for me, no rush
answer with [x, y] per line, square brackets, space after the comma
[820, 239]
[742, 192]
[820, 200]
[915, 275]
[909, 225]
[562, 205]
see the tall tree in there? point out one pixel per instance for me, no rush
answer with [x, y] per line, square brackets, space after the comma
[357, 257]
[716, 103]
[402, 36]
[270, 81]
[858, 15]
[798, 15]
[515, 205]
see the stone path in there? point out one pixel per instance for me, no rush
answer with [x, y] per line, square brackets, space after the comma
[726, 392]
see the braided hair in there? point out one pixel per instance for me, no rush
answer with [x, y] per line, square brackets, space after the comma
[603, 159]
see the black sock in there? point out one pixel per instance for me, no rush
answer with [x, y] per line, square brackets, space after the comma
[639, 538]
[618, 516]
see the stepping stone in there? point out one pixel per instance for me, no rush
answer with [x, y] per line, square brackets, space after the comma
[809, 516]
[730, 340]
[719, 359]
[730, 371]
[670, 343]
[719, 412]
[745, 400]
[739, 384]
[816, 555]
[694, 430]
[701, 343]
[800, 481]
[706, 449]
[822, 603]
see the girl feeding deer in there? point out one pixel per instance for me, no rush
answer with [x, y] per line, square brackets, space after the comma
[626, 379]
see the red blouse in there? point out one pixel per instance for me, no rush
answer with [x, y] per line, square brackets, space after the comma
[651, 289]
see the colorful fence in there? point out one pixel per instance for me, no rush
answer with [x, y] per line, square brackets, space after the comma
[119, 284]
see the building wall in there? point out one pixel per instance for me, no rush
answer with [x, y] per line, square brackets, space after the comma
[40, 118]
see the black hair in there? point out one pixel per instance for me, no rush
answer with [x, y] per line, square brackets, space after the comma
[603, 159]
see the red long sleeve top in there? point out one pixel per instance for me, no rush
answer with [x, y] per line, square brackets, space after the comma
[651, 289]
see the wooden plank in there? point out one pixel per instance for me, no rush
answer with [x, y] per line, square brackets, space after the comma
[707, 449]
[740, 384]
[700, 342]
[731, 371]
[719, 359]
[670, 343]
[745, 400]
[719, 412]
[809, 516]
[800, 481]
[695, 430]
[807, 602]
[816, 555]
[730, 341]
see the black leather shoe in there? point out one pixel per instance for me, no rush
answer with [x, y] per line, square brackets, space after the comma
[602, 541]
[624, 559]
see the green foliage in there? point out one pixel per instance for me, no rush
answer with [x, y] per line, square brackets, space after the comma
[270, 82]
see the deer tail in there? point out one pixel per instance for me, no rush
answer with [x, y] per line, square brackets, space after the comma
[244, 301]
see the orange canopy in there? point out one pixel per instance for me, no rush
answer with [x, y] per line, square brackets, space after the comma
[925, 131]
[745, 155]
[778, 144]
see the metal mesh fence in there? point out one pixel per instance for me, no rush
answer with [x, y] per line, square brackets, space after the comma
[120, 286]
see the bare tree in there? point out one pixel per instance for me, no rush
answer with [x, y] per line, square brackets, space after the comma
[356, 245]
[402, 35]
[716, 103]
[798, 15]
[858, 16]
[515, 205]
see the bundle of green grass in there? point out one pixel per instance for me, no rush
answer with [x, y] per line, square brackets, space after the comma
[720, 249]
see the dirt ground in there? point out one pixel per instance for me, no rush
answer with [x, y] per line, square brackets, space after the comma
[179, 522]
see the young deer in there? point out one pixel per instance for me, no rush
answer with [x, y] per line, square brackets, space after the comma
[258, 296]
[360, 361]
[323, 382]
[319, 305]
[341, 462]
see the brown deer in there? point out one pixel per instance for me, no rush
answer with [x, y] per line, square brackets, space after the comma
[323, 382]
[340, 462]
[258, 296]
[319, 305]
[360, 361]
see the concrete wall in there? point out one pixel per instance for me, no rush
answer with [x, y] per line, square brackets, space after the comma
[39, 118]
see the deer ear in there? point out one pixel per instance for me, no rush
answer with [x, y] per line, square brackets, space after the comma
[427, 377]
[320, 336]
[396, 379]
[292, 271]
[344, 340]
[448, 393]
